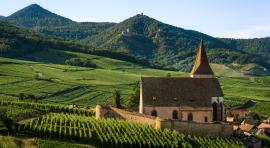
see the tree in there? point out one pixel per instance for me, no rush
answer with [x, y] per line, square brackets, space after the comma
[117, 99]
[21, 96]
[135, 96]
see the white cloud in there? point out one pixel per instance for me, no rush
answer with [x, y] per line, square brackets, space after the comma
[253, 31]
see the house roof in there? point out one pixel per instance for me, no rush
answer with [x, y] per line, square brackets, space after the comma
[250, 121]
[201, 66]
[264, 126]
[193, 92]
[247, 105]
[246, 127]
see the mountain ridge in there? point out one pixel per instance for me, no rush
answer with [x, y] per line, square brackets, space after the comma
[39, 19]
[161, 44]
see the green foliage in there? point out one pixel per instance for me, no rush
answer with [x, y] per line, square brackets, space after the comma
[9, 142]
[51, 143]
[82, 62]
[44, 21]
[170, 47]
[116, 133]
[74, 31]
[117, 98]
[265, 140]
[135, 96]
[34, 16]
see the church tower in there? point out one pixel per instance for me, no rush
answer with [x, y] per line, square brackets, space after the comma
[201, 68]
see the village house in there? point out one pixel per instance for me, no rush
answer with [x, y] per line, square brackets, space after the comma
[241, 110]
[198, 98]
[265, 127]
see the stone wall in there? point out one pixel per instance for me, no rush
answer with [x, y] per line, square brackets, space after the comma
[193, 128]
[111, 112]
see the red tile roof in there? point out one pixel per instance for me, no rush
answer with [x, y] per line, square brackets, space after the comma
[264, 125]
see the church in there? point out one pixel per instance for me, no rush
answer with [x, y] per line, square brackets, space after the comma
[198, 98]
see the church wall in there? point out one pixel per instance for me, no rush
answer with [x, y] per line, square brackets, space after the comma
[199, 113]
[193, 128]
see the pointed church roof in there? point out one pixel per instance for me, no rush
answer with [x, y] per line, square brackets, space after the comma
[201, 66]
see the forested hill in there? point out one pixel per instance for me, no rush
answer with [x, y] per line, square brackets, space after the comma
[17, 42]
[37, 18]
[162, 45]
[260, 46]
[172, 47]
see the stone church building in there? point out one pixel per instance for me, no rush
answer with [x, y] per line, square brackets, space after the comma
[198, 98]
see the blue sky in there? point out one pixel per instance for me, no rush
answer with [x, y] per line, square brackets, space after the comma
[219, 18]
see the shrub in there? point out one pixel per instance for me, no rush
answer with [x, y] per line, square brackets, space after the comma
[82, 62]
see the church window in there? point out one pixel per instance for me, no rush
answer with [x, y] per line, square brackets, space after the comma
[154, 113]
[205, 119]
[175, 114]
[190, 117]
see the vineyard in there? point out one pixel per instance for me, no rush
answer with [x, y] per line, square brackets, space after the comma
[117, 133]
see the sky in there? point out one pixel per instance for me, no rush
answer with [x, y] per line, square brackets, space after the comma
[218, 18]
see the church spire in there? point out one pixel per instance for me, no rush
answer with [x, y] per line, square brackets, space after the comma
[201, 68]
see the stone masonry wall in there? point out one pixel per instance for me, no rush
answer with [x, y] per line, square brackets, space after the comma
[193, 128]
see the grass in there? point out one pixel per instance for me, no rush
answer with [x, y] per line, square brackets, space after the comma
[9, 142]
[68, 84]
[17, 142]
[52, 81]
[3, 128]
[50, 143]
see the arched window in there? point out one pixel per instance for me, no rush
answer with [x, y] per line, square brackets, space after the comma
[214, 105]
[190, 117]
[154, 113]
[221, 110]
[175, 114]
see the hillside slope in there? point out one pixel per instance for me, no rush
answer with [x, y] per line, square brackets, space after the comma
[35, 16]
[39, 19]
[158, 44]
[169, 46]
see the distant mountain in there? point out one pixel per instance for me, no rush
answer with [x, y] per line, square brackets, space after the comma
[1, 17]
[37, 18]
[168, 46]
[147, 39]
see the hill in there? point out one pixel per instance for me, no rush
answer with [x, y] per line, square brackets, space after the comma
[17, 42]
[34, 16]
[169, 46]
[39, 19]
[161, 45]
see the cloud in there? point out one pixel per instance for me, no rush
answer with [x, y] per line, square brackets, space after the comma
[252, 31]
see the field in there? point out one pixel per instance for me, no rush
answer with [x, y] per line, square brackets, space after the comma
[64, 127]
[69, 84]
[45, 76]
[15, 142]
[36, 89]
